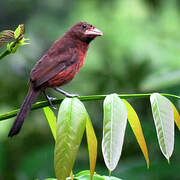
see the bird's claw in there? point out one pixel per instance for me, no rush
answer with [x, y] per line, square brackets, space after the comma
[50, 102]
[50, 99]
[52, 107]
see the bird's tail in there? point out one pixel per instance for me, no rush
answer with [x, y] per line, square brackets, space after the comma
[24, 110]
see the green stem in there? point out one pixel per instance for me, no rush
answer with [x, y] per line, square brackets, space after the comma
[7, 52]
[4, 53]
[82, 98]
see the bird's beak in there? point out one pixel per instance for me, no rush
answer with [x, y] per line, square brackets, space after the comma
[94, 32]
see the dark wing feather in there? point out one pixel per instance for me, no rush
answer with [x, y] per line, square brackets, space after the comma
[51, 64]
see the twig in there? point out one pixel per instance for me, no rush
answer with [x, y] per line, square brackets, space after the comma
[42, 104]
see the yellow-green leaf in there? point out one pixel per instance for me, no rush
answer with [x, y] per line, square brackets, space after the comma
[17, 32]
[23, 41]
[51, 120]
[176, 116]
[52, 124]
[137, 130]
[9, 46]
[92, 145]
[71, 123]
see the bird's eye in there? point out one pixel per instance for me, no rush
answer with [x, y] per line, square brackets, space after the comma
[84, 26]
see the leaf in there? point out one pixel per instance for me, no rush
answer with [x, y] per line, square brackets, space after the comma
[13, 46]
[92, 145]
[17, 32]
[51, 120]
[115, 120]
[85, 175]
[70, 128]
[9, 46]
[110, 178]
[22, 27]
[14, 49]
[164, 122]
[52, 124]
[176, 116]
[137, 130]
[23, 42]
[6, 36]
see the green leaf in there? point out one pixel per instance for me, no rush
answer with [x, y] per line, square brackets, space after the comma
[70, 128]
[14, 49]
[85, 175]
[115, 120]
[17, 32]
[13, 46]
[51, 120]
[92, 145]
[137, 130]
[110, 178]
[164, 122]
[9, 46]
[23, 42]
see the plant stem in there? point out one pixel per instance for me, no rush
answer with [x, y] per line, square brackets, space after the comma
[4, 53]
[42, 104]
[7, 52]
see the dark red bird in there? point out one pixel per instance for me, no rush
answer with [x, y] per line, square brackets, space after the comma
[57, 67]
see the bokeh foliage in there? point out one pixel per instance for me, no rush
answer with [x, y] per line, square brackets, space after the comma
[139, 52]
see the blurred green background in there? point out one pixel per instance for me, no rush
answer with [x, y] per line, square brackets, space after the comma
[139, 53]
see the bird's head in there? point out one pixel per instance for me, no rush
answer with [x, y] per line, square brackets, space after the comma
[84, 32]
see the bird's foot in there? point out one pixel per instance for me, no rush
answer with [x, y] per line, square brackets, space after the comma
[66, 93]
[50, 102]
[50, 99]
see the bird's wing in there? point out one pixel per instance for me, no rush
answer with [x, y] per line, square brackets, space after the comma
[53, 62]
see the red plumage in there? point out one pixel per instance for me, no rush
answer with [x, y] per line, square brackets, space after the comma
[57, 67]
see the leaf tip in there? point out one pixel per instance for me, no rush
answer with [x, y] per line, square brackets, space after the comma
[148, 165]
[71, 175]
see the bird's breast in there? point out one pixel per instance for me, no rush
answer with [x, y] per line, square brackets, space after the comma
[68, 73]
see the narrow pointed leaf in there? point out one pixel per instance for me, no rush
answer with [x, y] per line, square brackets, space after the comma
[137, 130]
[50, 116]
[176, 116]
[51, 120]
[92, 145]
[164, 122]
[115, 120]
[17, 32]
[71, 124]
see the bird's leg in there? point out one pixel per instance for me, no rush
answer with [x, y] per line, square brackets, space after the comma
[49, 100]
[66, 93]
